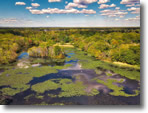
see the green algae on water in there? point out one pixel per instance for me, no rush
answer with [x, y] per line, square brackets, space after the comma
[45, 86]
[18, 78]
[117, 91]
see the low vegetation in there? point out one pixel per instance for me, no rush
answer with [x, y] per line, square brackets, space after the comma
[10, 91]
[18, 79]
[88, 62]
[68, 88]
[45, 86]
[117, 90]
[73, 89]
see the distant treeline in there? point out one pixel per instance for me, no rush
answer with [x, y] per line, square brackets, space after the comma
[112, 44]
[92, 29]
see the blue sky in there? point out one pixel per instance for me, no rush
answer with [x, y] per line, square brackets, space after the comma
[69, 13]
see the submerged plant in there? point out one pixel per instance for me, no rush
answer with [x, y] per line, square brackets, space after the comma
[68, 88]
[39, 96]
[108, 74]
[73, 89]
[45, 86]
[18, 78]
[117, 90]
[29, 96]
[10, 91]
[93, 92]
[88, 62]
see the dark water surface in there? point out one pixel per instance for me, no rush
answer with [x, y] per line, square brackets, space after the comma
[86, 76]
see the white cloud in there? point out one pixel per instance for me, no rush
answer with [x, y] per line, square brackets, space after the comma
[16, 22]
[20, 3]
[105, 11]
[66, 2]
[8, 20]
[29, 8]
[134, 10]
[137, 18]
[113, 13]
[85, 11]
[102, 6]
[112, 5]
[130, 5]
[84, 1]
[117, 8]
[72, 5]
[62, 11]
[103, 1]
[54, 0]
[47, 16]
[129, 1]
[79, 3]
[117, 19]
[121, 16]
[11, 21]
[35, 11]
[35, 4]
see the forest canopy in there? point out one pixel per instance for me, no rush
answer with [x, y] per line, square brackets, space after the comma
[109, 44]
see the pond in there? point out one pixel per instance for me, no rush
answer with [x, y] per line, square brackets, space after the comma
[23, 55]
[70, 83]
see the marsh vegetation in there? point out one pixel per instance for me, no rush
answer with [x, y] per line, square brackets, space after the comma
[67, 66]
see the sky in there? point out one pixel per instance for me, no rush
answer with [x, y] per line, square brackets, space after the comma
[69, 13]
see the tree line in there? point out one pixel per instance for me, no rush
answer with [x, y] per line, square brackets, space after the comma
[114, 44]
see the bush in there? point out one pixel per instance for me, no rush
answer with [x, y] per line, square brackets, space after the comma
[52, 52]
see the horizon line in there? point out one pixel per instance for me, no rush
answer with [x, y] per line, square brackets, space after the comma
[73, 27]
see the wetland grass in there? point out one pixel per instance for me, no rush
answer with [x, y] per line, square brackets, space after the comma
[89, 62]
[117, 90]
[13, 77]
